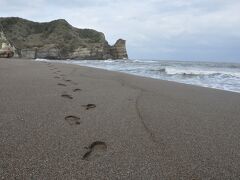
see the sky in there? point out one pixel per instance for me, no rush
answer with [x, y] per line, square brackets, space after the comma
[199, 30]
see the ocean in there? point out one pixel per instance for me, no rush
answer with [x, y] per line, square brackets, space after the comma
[224, 76]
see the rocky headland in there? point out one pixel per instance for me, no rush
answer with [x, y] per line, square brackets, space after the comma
[55, 40]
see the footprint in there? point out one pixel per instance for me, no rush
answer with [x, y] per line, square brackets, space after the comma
[61, 84]
[67, 96]
[68, 80]
[72, 120]
[89, 106]
[61, 75]
[56, 77]
[77, 89]
[95, 150]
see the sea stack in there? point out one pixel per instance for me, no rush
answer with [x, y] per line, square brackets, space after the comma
[57, 40]
[119, 50]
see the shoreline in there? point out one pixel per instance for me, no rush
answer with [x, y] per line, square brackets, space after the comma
[137, 75]
[62, 121]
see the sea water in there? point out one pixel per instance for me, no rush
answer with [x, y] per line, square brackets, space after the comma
[225, 76]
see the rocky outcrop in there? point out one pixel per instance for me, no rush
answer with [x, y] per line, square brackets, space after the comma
[6, 51]
[58, 40]
[119, 50]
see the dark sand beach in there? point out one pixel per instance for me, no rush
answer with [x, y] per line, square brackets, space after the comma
[60, 121]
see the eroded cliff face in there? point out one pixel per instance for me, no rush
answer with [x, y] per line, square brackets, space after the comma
[6, 51]
[59, 40]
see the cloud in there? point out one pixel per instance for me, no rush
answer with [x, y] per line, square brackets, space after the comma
[178, 29]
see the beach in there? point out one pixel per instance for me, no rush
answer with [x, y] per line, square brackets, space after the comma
[63, 121]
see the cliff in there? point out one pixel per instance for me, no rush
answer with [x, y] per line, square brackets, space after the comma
[57, 40]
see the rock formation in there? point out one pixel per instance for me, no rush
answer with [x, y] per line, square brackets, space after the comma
[6, 51]
[58, 40]
[119, 49]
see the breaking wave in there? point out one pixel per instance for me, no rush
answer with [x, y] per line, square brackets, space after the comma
[194, 72]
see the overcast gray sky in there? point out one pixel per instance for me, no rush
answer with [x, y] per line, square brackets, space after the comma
[154, 29]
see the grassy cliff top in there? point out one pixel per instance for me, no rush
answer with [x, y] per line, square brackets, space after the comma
[59, 33]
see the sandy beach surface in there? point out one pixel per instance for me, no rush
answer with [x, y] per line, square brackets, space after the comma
[60, 121]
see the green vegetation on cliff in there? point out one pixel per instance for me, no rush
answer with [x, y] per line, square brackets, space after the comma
[25, 34]
[57, 40]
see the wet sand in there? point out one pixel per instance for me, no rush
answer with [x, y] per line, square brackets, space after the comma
[61, 121]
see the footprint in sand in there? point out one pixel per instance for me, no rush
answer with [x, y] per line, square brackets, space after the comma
[77, 89]
[61, 84]
[67, 80]
[89, 106]
[70, 81]
[56, 77]
[95, 150]
[67, 96]
[73, 120]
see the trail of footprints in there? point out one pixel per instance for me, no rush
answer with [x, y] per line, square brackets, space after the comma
[97, 148]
